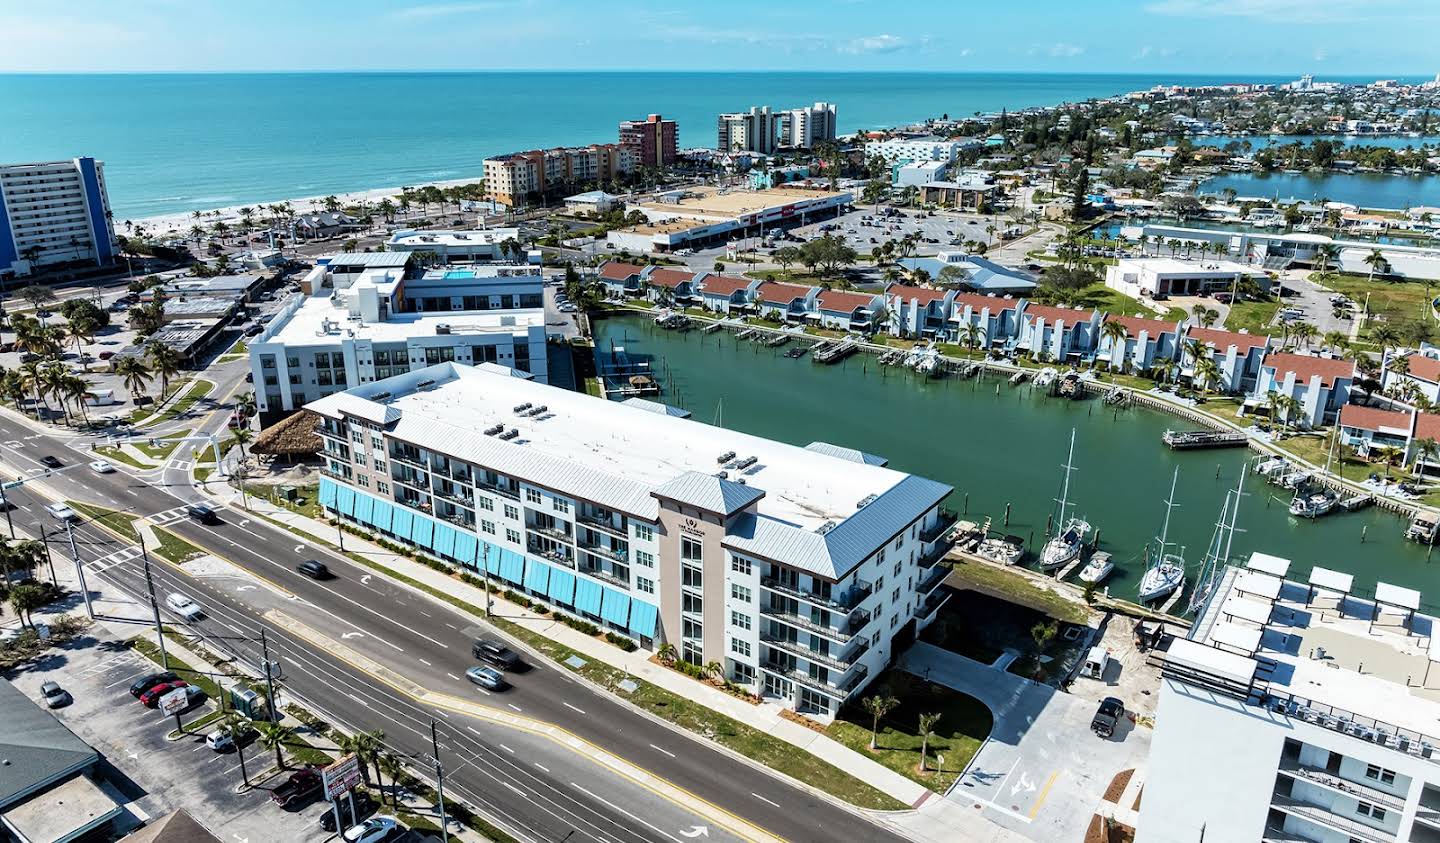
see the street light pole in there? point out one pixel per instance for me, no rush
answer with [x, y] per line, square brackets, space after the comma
[79, 567]
[5, 503]
[269, 679]
[439, 785]
[154, 606]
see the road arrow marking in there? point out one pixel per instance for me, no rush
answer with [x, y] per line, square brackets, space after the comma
[347, 636]
[246, 588]
[1024, 783]
[696, 831]
[365, 579]
[299, 548]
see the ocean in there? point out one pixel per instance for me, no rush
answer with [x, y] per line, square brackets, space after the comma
[173, 143]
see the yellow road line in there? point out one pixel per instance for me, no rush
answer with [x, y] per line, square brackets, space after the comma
[1044, 792]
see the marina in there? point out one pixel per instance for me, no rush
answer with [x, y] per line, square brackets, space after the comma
[1181, 440]
[999, 444]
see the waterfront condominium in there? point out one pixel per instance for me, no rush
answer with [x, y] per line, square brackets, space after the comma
[512, 179]
[800, 570]
[755, 130]
[805, 127]
[54, 212]
[653, 142]
[362, 317]
[1297, 711]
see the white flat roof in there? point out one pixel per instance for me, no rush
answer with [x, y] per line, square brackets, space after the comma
[304, 327]
[1255, 611]
[1246, 639]
[1269, 564]
[1176, 266]
[1394, 595]
[1202, 657]
[1259, 584]
[421, 238]
[1331, 580]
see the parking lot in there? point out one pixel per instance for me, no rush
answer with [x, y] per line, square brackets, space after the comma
[158, 775]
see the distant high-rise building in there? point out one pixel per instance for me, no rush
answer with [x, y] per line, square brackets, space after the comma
[653, 141]
[54, 212]
[747, 131]
[805, 127]
[513, 178]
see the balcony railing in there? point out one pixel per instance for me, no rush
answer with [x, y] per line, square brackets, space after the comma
[602, 523]
[409, 459]
[504, 491]
[1330, 819]
[420, 482]
[607, 552]
[932, 579]
[458, 519]
[550, 553]
[941, 527]
[931, 605]
[607, 576]
[462, 496]
[1332, 782]
[335, 474]
[551, 532]
[841, 634]
[840, 692]
[847, 601]
[839, 663]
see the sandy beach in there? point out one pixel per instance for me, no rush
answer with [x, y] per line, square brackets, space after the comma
[179, 223]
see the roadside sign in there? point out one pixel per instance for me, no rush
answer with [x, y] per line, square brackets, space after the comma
[341, 777]
[174, 701]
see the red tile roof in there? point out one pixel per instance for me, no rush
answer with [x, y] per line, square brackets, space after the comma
[616, 271]
[669, 277]
[1425, 368]
[1427, 426]
[1135, 324]
[1224, 339]
[978, 302]
[775, 292]
[1373, 418]
[1055, 314]
[725, 285]
[837, 301]
[924, 295]
[1305, 367]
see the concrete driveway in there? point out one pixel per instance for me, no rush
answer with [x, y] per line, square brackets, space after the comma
[1042, 772]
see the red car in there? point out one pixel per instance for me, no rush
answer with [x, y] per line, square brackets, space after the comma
[298, 789]
[151, 698]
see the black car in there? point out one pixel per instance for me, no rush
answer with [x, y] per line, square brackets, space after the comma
[495, 654]
[150, 680]
[1107, 717]
[50, 461]
[314, 569]
[364, 807]
[202, 513]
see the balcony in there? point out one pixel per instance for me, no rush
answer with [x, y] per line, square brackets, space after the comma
[504, 491]
[797, 649]
[839, 692]
[410, 458]
[932, 579]
[458, 520]
[336, 475]
[942, 526]
[605, 576]
[1329, 819]
[847, 601]
[461, 496]
[414, 503]
[549, 553]
[607, 552]
[599, 522]
[841, 634]
[925, 611]
[420, 481]
[552, 533]
[1345, 787]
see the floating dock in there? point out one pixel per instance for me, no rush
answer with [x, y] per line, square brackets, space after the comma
[1184, 440]
[834, 352]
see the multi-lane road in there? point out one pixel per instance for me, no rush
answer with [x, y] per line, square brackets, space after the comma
[537, 788]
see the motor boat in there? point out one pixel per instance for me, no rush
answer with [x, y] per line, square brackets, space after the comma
[1098, 568]
[1000, 550]
[1312, 504]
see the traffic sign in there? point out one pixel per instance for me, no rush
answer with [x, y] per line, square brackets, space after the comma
[174, 701]
[341, 777]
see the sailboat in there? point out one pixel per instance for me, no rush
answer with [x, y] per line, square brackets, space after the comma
[1167, 573]
[1066, 545]
[1213, 567]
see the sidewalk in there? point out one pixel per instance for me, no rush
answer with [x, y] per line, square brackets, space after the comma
[764, 717]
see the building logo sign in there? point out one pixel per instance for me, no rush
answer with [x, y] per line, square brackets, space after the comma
[691, 527]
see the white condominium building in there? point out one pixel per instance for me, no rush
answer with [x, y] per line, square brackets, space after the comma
[54, 212]
[897, 150]
[797, 569]
[1296, 711]
[803, 128]
[755, 130]
[474, 246]
[366, 317]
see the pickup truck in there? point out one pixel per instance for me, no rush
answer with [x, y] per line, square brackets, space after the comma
[1107, 717]
[298, 789]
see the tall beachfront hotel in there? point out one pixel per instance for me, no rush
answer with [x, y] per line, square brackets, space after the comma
[800, 570]
[54, 212]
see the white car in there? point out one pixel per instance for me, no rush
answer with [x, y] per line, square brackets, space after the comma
[220, 740]
[373, 830]
[102, 467]
[62, 512]
[184, 607]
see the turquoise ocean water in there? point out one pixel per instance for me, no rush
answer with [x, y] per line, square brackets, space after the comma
[179, 142]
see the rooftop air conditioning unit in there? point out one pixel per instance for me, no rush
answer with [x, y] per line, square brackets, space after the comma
[722, 474]
[442, 328]
[520, 408]
[494, 429]
[510, 434]
[725, 457]
[747, 462]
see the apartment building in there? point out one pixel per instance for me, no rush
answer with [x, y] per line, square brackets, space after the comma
[1296, 711]
[806, 127]
[1320, 386]
[476, 246]
[897, 150]
[756, 130]
[54, 212]
[800, 570]
[363, 318]
[653, 142]
[514, 178]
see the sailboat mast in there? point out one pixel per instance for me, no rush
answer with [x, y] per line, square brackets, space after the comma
[1169, 505]
[1234, 514]
[1065, 484]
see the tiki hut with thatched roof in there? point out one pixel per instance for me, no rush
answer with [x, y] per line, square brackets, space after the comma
[293, 437]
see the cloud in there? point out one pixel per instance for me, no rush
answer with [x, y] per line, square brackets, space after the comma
[875, 44]
[445, 10]
[1148, 51]
[1059, 50]
[1279, 11]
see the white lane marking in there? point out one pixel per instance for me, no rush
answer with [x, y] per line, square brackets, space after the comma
[473, 729]
[542, 766]
[516, 789]
[571, 707]
[504, 747]
[514, 706]
[453, 676]
[615, 807]
[666, 751]
[427, 664]
[763, 799]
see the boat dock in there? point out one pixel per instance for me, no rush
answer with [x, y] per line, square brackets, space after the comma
[834, 352]
[1173, 598]
[1074, 565]
[1355, 502]
[1184, 440]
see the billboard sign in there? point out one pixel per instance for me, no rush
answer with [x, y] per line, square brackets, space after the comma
[341, 777]
[174, 701]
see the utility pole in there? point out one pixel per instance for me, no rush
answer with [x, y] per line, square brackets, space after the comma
[439, 785]
[79, 566]
[485, 568]
[269, 680]
[5, 503]
[154, 606]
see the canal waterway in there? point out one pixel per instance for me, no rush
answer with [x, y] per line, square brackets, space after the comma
[1368, 190]
[998, 445]
[1261, 141]
[1113, 229]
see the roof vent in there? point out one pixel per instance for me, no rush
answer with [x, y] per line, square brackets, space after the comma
[428, 382]
[520, 408]
[740, 480]
[723, 475]
[825, 528]
[494, 429]
[746, 463]
[725, 457]
[866, 501]
[442, 328]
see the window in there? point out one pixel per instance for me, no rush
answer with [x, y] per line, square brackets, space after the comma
[895, 595]
[740, 566]
[690, 550]
[691, 629]
[691, 603]
[739, 592]
[645, 559]
[644, 585]
[488, 527]
[376, 442]
[740, 620]
[691, 576]
[487, 504]
[360, 458]
[644, 534]
[894, 621]
[511, 512]
[898, 563]
[1374, 812]
[380, 465]
[879, 584]
[744, 674]
[363, 481]
[1379, 774]
[532, 495]
[740, 647]
[561, 505]
[512, 536]
[899, 541]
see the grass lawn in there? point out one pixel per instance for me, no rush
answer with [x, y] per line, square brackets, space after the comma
[117, 455]
[1102, 298]
[121, 522]
[162, 449]
[964, 724]
[193, 393]
[1252, 316]
[1393, 303]
[203, 472]
[1000, 582]
[309, 494]
[173, 547]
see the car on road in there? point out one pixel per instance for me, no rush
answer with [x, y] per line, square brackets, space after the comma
[102, 467]
[202, 513]
[487, 677]
[372, 830]
[54, 695]
[184, 606]
[150, 680]
[364, 807]
[51, 461]
[298, 789]
[495, 654]
[567, 307]
[151, 698]
[314, 569]
[223, 738]
[1107, 717]
[254, 330]
[61, 512]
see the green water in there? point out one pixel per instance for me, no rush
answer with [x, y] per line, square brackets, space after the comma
[1007, 448]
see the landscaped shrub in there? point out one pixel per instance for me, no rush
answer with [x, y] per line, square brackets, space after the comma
[621, 641]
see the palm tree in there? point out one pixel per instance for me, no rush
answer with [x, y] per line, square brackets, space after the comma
[1335, 341]
[134, 373]
[1288, 405]
[1327, 254]
[715, 670]
[1303, 332]
[367, 747]
[1390, 454]
[25, 598]
[1206, 316]
[1376, 261]
[1386, 337]
[1116, 334]
[53, 379]
[393, 767]
[274, 736]
[927, 731]
[878, 706]
[970, 335]
[32, 377]
[667, 654]
[242, 436]
[1207, 372]
[164, 361]
[1426, 450]
[238, 725]
[82, 329]
[77, 389]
